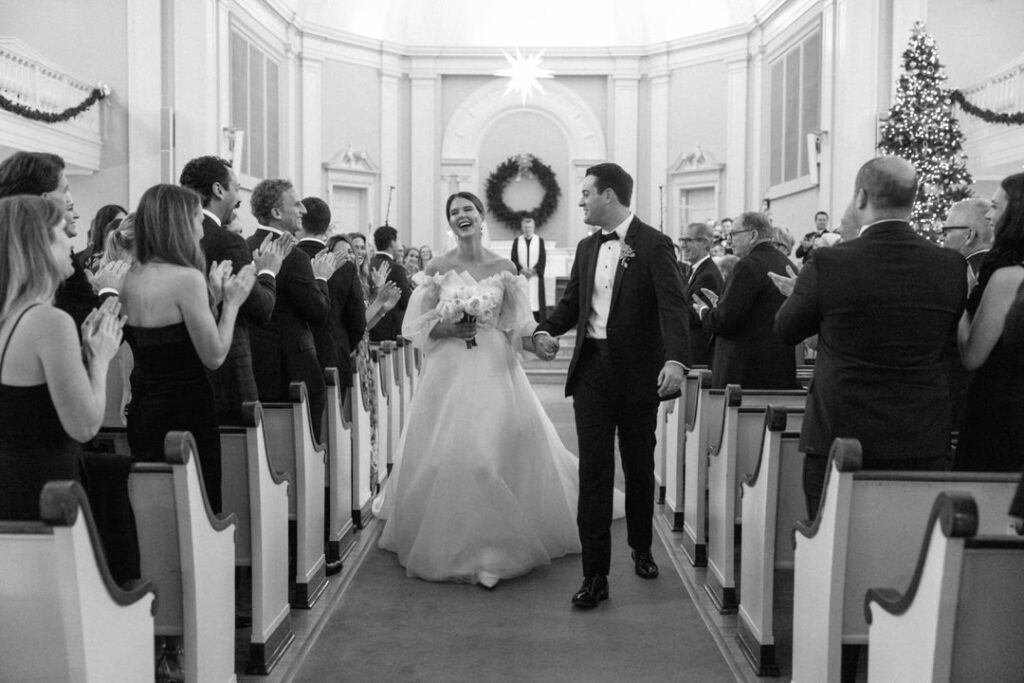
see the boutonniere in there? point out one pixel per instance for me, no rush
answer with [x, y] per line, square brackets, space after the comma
[626, 253]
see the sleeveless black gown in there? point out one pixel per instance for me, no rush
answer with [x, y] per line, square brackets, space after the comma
[170, 391]
[34, 448]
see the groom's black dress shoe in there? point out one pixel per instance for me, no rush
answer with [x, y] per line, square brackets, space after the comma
[645, 567]
[593, 591]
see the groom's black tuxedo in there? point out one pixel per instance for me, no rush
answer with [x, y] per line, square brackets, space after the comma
[614, 382]
[647, 322]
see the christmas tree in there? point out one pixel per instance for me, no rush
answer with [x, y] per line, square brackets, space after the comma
[922, 129]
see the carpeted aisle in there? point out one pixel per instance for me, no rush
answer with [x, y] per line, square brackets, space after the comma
[387, 627]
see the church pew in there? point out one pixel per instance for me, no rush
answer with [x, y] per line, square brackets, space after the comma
[387, 382]
[362, 454]
[695, 474]
[867, 533]
[340, 528]
[962, 615]
[674, 460]
[293, 449]
[62, 616]
[189, 553]
[257, 494]
[412, 373]
[399, 378]
[733, 453]
[669, 444]
[378, 356]
[772, 502]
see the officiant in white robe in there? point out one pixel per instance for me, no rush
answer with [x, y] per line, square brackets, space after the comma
[528, 255]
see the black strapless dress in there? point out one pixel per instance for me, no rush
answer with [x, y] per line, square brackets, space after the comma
[170, 391]
[34, 448]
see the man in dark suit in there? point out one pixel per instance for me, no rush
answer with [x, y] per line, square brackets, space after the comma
[966, 230]
[882, 303]
[529, 257]
[213, 179]
[42, 174]
[283, 350]
[346, 321]
[703, 274]
[389, 251]
[748, 352]
[625, 299]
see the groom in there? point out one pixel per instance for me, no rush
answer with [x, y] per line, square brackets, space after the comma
[625, 298]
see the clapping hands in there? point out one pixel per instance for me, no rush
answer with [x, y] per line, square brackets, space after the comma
[388, 295]
[379, 275]
[325, 263]
[102, 331]
[706, 299]
[272, 253]
[782, 283]
[109, 276]
[231, 289]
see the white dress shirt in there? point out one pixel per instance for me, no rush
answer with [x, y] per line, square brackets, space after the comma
[604, 278]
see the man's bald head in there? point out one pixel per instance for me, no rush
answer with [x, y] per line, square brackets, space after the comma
[889, 185]
[966, 228]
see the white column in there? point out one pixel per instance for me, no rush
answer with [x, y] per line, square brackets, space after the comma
[389, 96]
[144, 98]
[735, 137]
[311, 124]
[224, 78]
[291, 112]
[827, 199]
[758, 122]
[424, 169]
[625, 122]
[658, 154]
[194, 99]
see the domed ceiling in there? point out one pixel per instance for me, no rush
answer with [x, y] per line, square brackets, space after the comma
[527, 23]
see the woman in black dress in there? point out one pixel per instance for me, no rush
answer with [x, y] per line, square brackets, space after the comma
[993, 429]
[173, 331]
[49, 400]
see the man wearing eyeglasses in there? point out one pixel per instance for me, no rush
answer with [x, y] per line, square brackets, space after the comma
[748, 351]
[968, 231]
[704, 274]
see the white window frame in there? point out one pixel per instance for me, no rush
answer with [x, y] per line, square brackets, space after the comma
[275, 55]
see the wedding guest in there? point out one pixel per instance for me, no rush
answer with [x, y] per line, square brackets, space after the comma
[426, 254]
[101, 226]
[703, 274]
[993, 426]
[968, 231]
[412, 261]
[530, 257]
[748, 351]
[726, 263]
[172, 331]
[120, 243]
[346, 322]
[50, 401]
[783, 240]
[216, 183]
[385, 239]
[42, 174]
[283, 350]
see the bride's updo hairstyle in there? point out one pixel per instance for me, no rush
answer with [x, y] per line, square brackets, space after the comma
[468, 196]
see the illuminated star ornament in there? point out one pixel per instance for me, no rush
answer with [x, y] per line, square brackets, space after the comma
[523, 73]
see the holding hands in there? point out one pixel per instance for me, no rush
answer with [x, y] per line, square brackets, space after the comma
[102, 331]
[545, 346]
[782, 283]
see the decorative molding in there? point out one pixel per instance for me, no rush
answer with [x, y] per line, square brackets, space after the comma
[351, 160]
[697, 161]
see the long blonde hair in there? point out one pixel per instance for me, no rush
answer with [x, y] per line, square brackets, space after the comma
[163, 227]
[28, 269]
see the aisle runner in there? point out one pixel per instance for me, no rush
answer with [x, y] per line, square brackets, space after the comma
[387, 627]
[391, 628]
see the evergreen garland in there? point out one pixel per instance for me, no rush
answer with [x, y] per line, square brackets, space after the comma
[1011, 119]
[922, 129]
[517, 168]
[98, 93]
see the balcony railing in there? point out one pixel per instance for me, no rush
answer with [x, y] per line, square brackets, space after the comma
[26, 78]
[1003, 92]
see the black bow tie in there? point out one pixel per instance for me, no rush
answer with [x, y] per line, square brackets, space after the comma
[605, 236]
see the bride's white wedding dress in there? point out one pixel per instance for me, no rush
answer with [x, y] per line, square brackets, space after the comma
[482, 488]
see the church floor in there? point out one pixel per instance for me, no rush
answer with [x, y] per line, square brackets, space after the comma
[375, 624]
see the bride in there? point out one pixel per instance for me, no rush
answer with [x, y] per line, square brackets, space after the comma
[482, 488]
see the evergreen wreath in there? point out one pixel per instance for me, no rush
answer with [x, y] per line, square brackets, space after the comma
[517, 168]
[98, 93]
